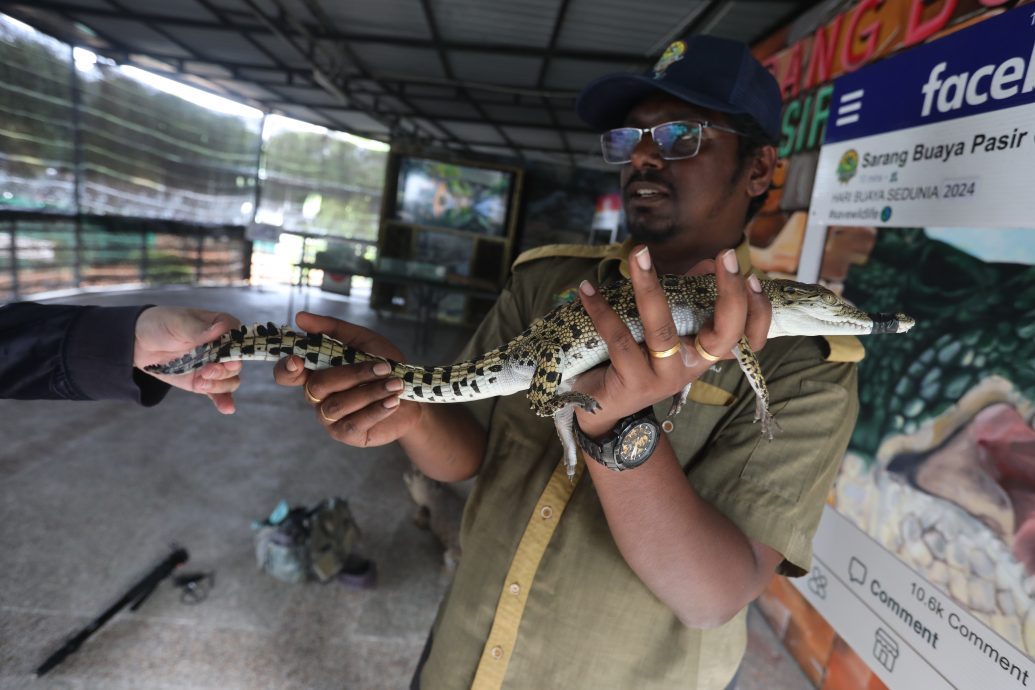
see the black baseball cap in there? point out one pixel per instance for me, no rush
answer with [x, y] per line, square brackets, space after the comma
[707, 71]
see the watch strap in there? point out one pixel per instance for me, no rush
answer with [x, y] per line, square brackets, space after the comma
[603, 451]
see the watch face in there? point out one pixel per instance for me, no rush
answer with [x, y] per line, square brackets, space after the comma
[637, 444]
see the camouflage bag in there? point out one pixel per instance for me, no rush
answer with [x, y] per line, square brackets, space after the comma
[298, 544]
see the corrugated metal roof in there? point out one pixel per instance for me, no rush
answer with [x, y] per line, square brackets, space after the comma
[518, 113]
[538, 138]
[184, 10]
[504, 70]
[473, 132]
[397, 18]
[468, 75]
[419, 63]
[743, 17]
[572, 75]
[443, 109]
[528, 23]
[625, 27]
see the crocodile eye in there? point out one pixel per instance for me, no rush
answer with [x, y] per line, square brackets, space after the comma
[830, 298]
[792, 291]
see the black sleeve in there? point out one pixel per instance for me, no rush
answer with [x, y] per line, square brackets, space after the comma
[55, 352]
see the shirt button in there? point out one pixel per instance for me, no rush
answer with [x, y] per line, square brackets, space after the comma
[546, 512]
[496, 652]
[515, 588]
[667, 426]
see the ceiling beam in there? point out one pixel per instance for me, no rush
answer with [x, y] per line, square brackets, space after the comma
[169, 36]
[364, 73]
[323, 33]
[429, 17]
[447, 118]
[270, 55]
[328, 61]
[307, 52]
[555, 31]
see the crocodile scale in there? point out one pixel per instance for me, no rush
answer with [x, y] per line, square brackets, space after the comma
[546, 358]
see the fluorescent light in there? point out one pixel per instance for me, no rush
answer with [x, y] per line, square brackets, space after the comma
[189, 93]
[278, 123]
[84, 59]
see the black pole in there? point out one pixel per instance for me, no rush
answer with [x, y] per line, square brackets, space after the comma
[246, 251]
[257, 198]
[13, 251]
[135, 594]
[144, 264]
[199, 256]
[77, 168]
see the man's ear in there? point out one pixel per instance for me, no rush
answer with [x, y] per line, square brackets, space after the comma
[760, 175]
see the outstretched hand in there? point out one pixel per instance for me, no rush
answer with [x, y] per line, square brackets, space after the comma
[358, 404]
[635, 378]
[165, 333]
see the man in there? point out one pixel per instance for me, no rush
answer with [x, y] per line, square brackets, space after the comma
[633, 579]
[57, 351]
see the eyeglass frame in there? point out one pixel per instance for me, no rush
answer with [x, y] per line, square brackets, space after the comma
[703, 124]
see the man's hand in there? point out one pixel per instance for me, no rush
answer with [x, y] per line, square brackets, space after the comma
[357, 404]
[165, 333]
[634, 379]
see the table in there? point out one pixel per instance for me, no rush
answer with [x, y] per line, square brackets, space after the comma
[430, 293]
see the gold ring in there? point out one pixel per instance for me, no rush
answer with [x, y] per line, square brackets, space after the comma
[704, 353]
[662, 354]
[325, 417]
[309, 396]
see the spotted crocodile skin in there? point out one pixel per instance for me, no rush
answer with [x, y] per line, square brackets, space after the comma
[546, 358]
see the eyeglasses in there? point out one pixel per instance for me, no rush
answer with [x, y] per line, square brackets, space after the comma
[676, 140]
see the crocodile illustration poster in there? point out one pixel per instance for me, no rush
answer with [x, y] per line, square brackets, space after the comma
[940, 472]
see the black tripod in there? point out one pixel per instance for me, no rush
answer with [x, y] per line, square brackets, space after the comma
[132, 598]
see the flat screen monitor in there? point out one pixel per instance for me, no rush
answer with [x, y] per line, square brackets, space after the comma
[458, 197]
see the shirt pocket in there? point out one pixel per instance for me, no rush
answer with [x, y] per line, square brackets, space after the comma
[706, 408]
[803, 444]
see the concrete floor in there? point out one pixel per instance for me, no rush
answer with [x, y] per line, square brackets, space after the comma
[92, 495]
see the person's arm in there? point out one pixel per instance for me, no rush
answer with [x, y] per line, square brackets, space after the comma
[742, 488]
[692, 557]
[40, 355]
[359, 405]
[96, 353]
[449, 443]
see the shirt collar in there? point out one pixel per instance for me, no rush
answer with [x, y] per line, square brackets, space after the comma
[619, 253]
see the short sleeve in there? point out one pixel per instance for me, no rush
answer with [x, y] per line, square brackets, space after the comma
[774, 490]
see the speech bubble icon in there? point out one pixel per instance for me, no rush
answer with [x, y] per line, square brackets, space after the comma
[857, 571]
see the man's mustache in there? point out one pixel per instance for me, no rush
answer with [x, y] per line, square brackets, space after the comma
[649, 176]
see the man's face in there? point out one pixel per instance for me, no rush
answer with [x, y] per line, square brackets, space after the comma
[683, 199]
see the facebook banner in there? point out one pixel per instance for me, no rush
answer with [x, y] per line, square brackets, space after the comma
[943, 134]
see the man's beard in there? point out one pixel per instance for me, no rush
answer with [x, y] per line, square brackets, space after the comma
[639, 227]
[641, 234]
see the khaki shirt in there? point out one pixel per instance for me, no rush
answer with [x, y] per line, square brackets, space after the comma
[542, 597]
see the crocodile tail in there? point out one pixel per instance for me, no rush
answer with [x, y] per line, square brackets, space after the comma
[269, 343]
[463, 381]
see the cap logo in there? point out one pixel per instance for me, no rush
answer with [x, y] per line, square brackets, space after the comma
[673, 54]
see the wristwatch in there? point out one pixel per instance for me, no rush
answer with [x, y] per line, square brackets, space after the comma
[627, 445]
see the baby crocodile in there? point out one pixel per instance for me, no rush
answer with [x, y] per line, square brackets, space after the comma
[548, 356]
